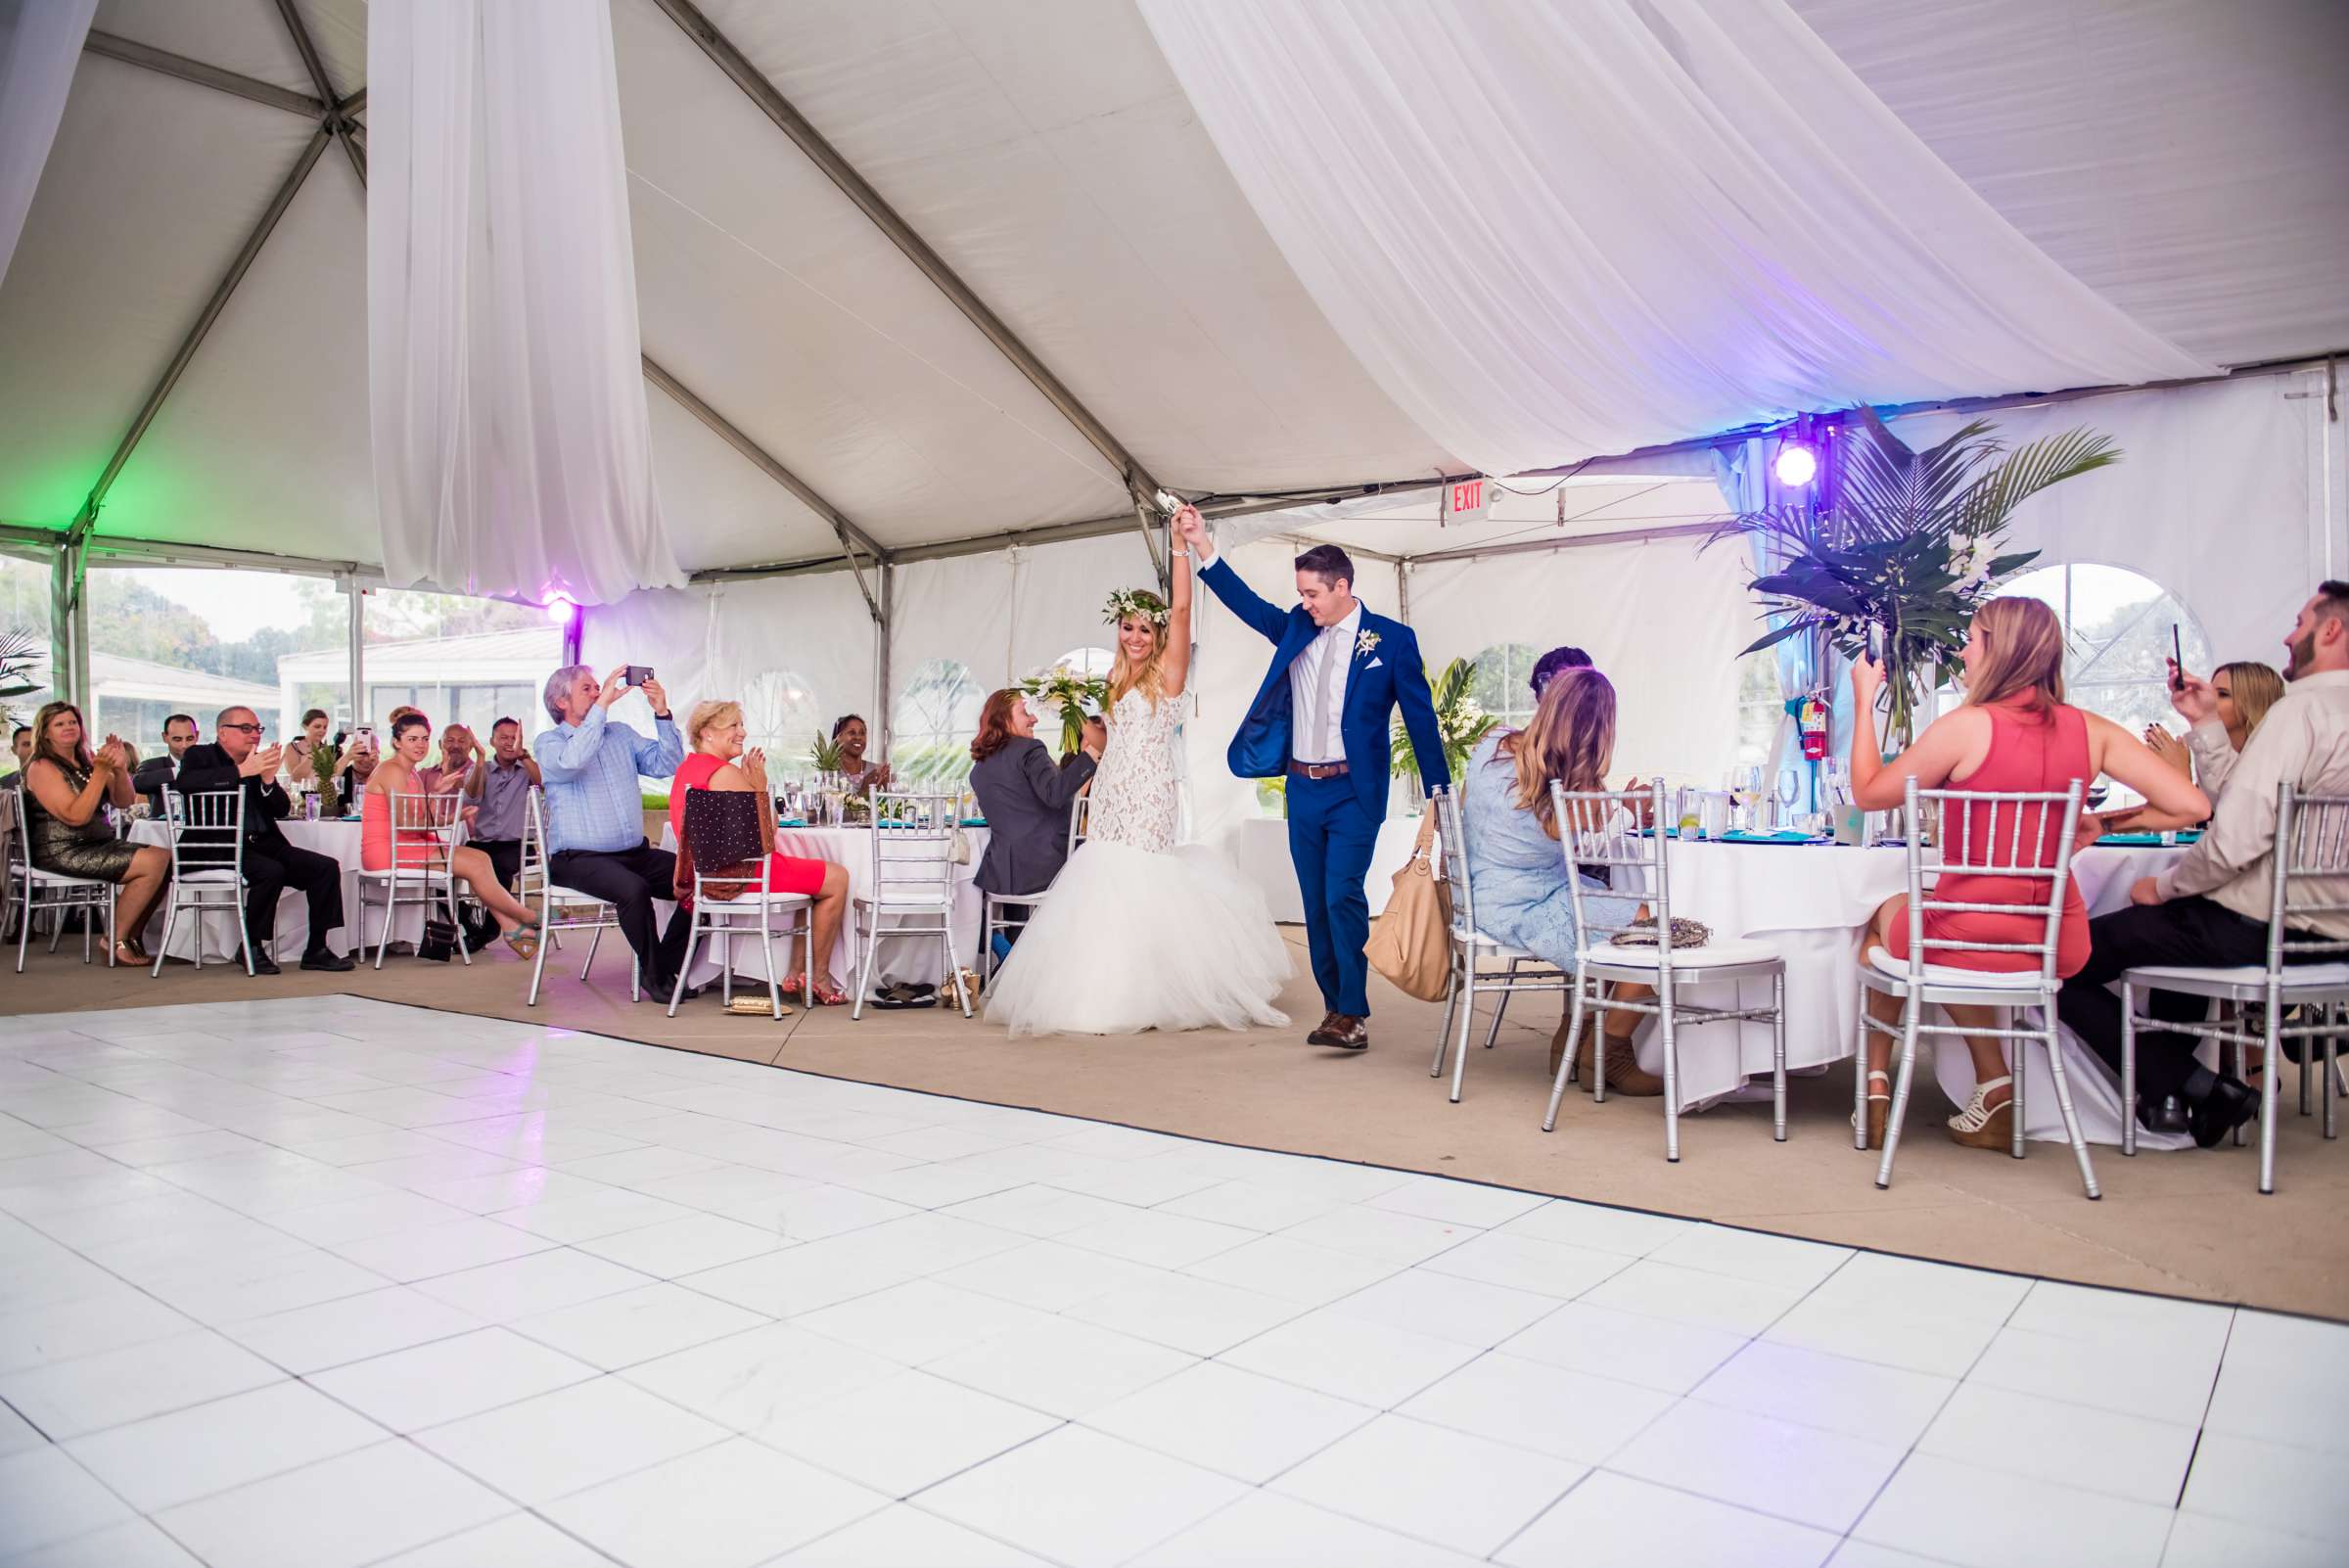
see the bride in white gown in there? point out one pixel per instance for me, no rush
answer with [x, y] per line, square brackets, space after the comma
[1137, 930]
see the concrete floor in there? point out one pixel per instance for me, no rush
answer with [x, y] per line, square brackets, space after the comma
[2187, 1223]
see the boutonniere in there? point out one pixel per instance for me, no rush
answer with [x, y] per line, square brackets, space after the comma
[1364, 642]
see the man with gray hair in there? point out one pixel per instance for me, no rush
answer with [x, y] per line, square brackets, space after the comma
[595, 839]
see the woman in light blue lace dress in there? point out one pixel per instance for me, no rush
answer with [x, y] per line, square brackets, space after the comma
[1517, 872]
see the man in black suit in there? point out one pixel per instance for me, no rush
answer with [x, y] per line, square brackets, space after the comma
[160, 773]
[239, 761]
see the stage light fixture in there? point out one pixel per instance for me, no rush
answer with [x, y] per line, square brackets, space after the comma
[1796, 466]
[559, 610]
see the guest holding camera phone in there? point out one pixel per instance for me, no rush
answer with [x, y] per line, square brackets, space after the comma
[595, 810]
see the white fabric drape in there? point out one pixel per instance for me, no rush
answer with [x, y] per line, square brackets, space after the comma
[41, 44]
[512, 453]
[1549, 231]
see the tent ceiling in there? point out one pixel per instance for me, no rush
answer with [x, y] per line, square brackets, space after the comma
[2184, 159]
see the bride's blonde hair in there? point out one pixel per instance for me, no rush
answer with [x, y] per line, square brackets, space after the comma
[1148, 678]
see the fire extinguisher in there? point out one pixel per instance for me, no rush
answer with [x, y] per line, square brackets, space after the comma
[1812, 722]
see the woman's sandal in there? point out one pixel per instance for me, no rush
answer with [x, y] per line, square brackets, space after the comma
[524, 939]
[1982, 1126]
[827, 990]
[1879, 1108]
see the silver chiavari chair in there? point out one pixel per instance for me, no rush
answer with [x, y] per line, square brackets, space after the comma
[53, 893]
[2311, 862]
[913, 884]
[997, 915]
[1609, 858]
[207, 867]
[1475, 952]
[561, 908]
[750, 912]
[1998, 847]
[427, 831]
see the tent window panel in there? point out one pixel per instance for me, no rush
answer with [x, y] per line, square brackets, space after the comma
[781, 716]
[1759, 707]
[933, 723]
[2116, 630]
[1504, 684]
[196, 640]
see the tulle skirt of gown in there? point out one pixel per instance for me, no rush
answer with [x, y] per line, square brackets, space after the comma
[1131, 940]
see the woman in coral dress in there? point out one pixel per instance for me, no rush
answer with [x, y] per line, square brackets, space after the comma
[421, 848]
[2014, 733]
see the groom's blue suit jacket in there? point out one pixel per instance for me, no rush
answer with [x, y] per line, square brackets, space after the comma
[1382, 677]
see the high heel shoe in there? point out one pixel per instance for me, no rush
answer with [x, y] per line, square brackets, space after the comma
[1625, 1076]
[1879, 1108]
[1983, 1126]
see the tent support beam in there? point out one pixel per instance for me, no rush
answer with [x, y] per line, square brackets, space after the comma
[87, 518]
[885, 625]
[1572, 541]
[852, 537]
[1138, 479]
[332, 111]
[132, 53]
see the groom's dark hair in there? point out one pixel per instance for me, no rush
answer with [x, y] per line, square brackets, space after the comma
[1328, 562]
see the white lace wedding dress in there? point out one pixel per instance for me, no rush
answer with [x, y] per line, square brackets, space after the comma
[1139, 932]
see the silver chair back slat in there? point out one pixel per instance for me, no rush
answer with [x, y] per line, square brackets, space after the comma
[206, 831]
[1600, 834]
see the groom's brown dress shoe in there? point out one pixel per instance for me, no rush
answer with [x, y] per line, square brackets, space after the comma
[1320, 1034]
[1344, 1032]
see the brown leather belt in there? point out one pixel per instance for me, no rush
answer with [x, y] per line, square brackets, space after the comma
[1320, 769]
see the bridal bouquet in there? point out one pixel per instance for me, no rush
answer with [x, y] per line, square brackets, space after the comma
[1074, 693]
[1909, 548]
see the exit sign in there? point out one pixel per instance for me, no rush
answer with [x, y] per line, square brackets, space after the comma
[1466, 500]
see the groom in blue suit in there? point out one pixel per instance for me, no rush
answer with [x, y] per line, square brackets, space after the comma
[1322, 718]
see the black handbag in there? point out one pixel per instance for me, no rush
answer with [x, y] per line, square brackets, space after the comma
[439, 943]
[721, 835]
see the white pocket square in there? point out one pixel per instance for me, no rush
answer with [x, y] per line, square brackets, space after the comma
[1374, 664]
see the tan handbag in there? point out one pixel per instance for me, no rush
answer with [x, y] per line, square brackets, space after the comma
[1411, 943]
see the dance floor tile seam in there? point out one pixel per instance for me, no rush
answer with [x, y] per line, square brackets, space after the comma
[1408, 1369]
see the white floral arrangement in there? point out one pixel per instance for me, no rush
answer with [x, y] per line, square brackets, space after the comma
[1139, 603]
[1075, 693]
[1364, 643]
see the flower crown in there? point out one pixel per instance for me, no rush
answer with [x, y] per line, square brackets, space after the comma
[1137, 602]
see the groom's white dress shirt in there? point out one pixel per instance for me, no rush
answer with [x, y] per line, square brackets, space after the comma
[1317, 687]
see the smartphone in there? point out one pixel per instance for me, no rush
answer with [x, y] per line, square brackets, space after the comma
[363, 737]
[2176, 660]
[636, 674]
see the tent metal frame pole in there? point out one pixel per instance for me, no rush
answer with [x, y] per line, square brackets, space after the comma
[130, 52]
[1138, 479]
[357, 632]
[331, 112]
[852, 537]
[87, 518]
[885, 631]
[1572, 541]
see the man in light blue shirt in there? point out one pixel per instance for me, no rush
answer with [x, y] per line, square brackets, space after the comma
[595, 811]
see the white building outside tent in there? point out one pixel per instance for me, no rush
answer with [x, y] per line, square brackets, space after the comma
[132, 697]
[473, 679]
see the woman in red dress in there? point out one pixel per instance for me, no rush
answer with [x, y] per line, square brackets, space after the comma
[714, 732]
[2014, 732]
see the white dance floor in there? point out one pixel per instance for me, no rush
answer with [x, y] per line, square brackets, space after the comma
[323, 1283]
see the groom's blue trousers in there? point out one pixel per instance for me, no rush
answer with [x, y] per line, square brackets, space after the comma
[1331, 837]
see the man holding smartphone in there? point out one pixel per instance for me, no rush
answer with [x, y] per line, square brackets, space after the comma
[595, 810]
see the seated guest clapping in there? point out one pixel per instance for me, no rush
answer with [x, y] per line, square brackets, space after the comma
[2014, 733]
[717, 762]
[459, 751]
[419, 847]
[1517, 871]
[237, 759]
[66, 790]
[849, 732]
[2223, 712]
[301, 752]
[498, 795]
[1024, 798]
[2212, 907]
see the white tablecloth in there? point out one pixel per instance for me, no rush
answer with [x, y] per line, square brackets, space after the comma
[335, 839]
[908, 958]
[1812, 903]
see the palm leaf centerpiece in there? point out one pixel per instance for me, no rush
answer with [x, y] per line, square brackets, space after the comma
[1458, 718]
[20, 652]
[1911, 546]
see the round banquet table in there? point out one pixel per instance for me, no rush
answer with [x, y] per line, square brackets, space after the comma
[906, 958]
[1812, 902]
[336, 838]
